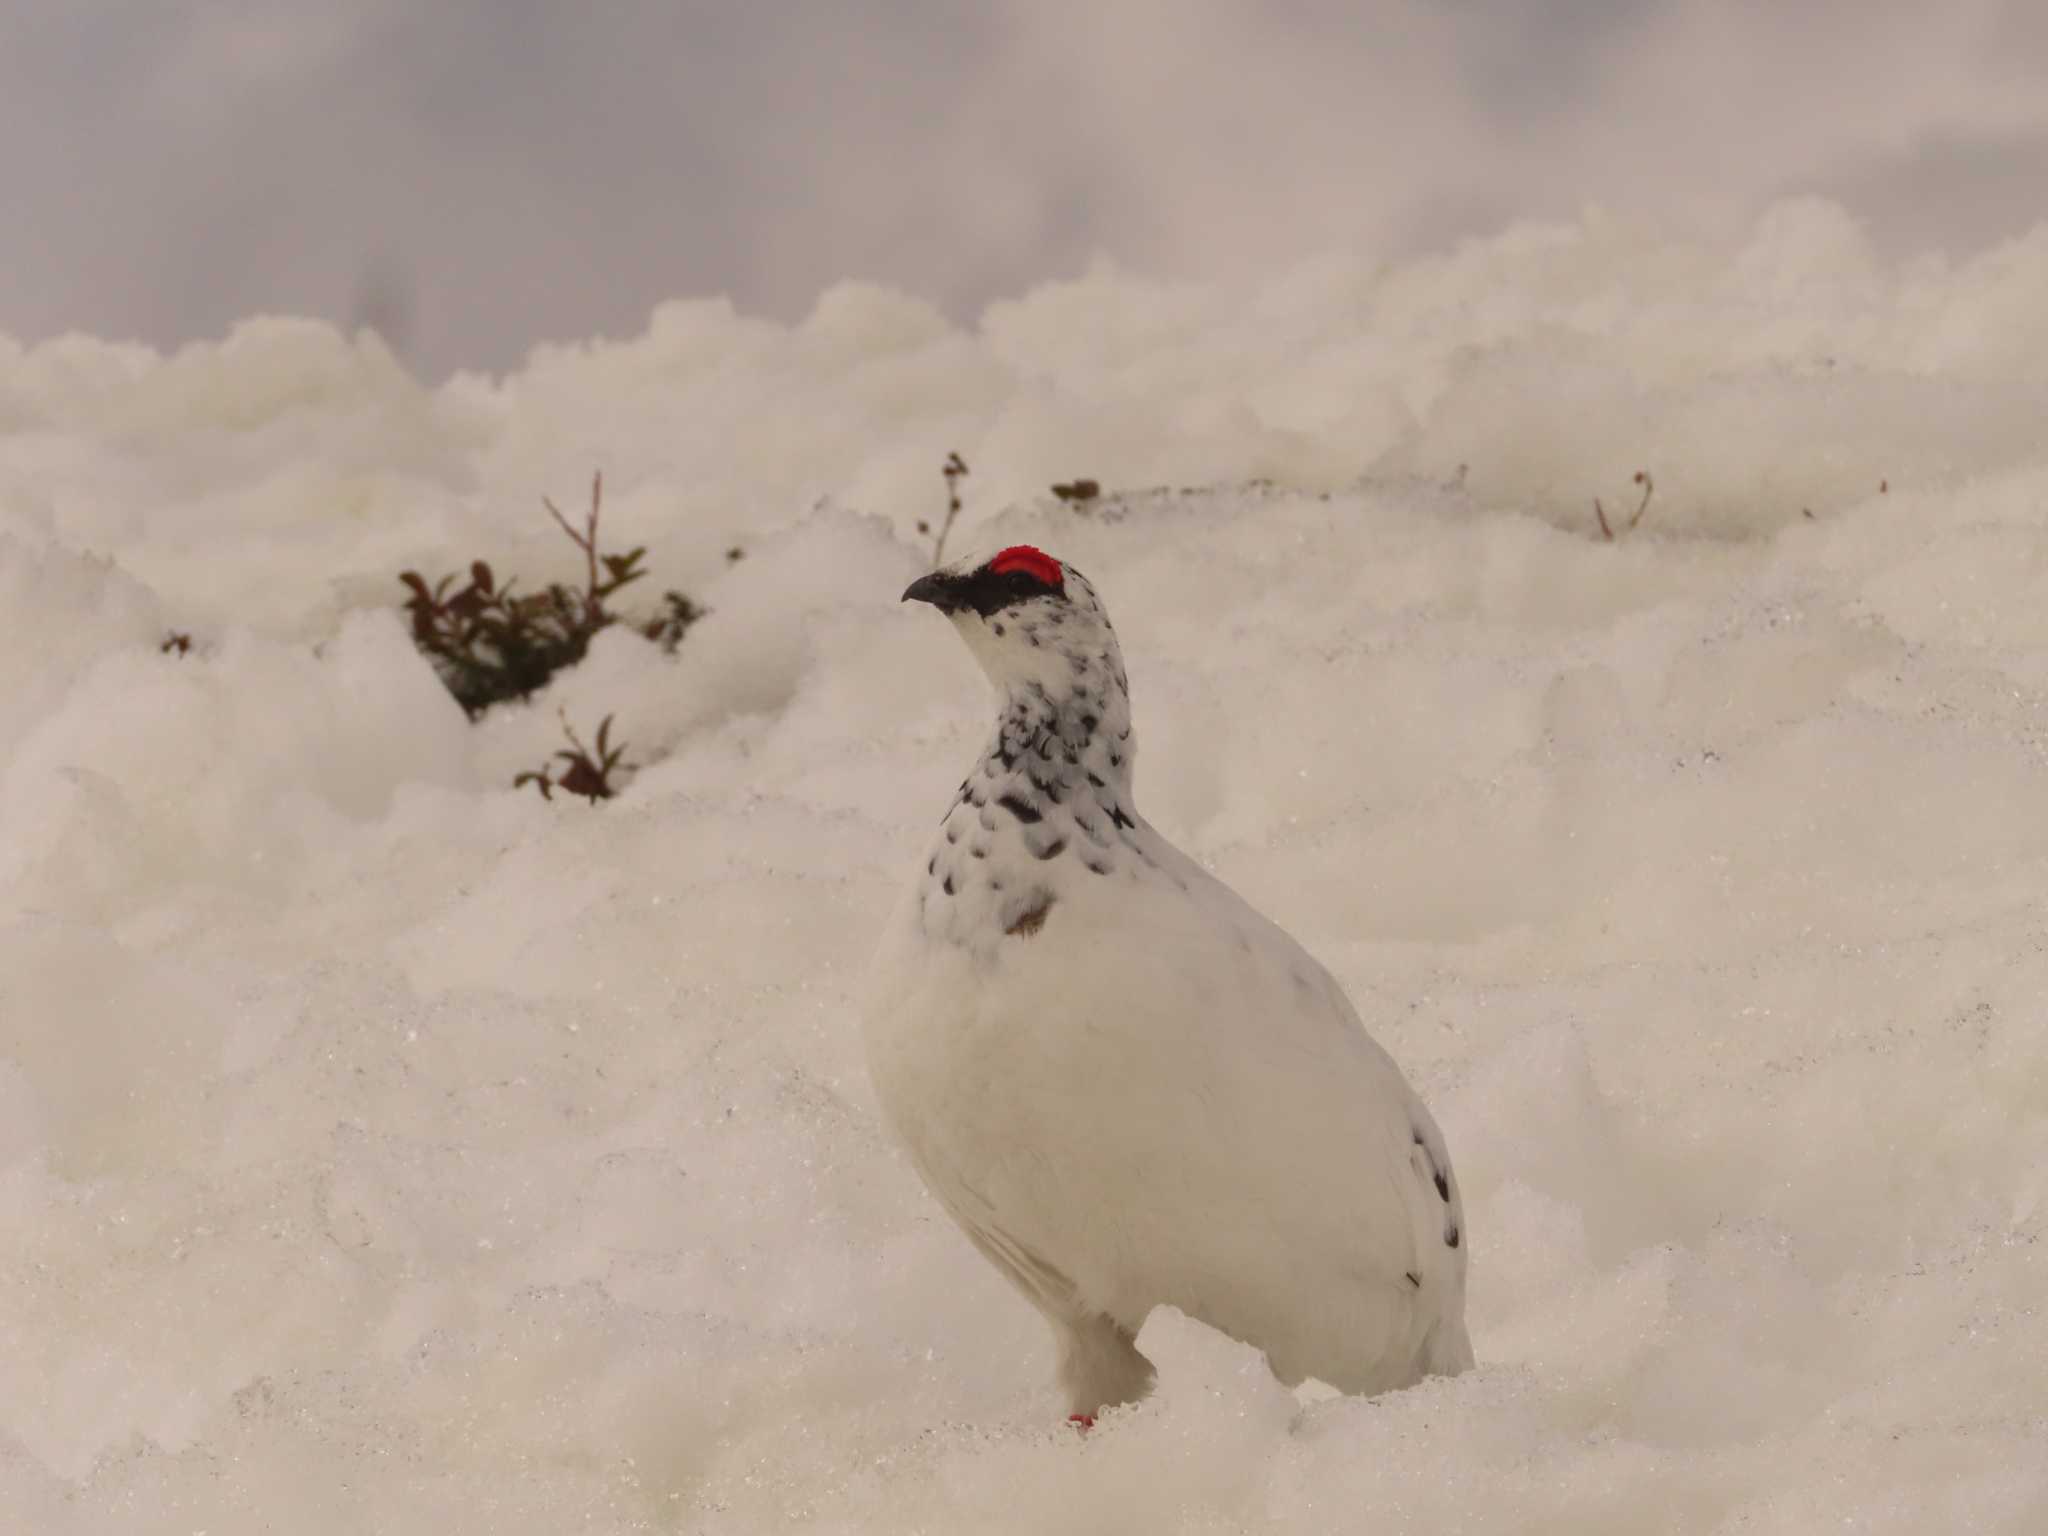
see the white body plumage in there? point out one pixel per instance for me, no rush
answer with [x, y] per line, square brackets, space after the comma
[1128, 1087]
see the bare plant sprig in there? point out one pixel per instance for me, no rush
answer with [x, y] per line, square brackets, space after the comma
[954, 469]
[619, 569]
[588, 774]
[1642, 478]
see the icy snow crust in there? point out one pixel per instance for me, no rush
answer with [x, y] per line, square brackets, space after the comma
[384, 1149]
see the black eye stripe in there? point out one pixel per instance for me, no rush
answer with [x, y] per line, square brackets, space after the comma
[988, 592]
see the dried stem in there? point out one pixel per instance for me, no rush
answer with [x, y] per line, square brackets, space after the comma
[954, 468]
[1649, 489]
[1642, 478]
[586, 540]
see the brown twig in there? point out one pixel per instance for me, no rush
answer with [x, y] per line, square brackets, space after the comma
[1649, 489]
[953, 469]
[586, 540]
[1642, 478]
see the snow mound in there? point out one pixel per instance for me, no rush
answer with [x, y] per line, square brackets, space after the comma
[384, 1148]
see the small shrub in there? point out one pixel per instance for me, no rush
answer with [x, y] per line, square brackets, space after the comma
[489, 643]
[176, 643]
[587, 774]
[1077, 492]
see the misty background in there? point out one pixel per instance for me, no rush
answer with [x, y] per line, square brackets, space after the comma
[472, 177]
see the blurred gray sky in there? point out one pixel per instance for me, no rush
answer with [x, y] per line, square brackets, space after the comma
[477, 175]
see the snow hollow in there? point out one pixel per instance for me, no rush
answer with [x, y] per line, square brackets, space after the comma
[383, 1148]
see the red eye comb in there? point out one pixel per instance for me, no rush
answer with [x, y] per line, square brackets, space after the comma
[1035, 563]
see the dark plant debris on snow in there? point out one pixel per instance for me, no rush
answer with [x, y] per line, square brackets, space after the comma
[1642, 478]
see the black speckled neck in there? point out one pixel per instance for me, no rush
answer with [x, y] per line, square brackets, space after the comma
[1049, 798]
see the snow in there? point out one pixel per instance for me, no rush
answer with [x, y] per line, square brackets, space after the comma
[383, 1148]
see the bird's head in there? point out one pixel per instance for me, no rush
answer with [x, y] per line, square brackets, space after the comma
[1028, 619]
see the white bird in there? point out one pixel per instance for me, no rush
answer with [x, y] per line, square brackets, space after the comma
[1125, 1085]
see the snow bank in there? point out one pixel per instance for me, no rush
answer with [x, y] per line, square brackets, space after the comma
[383, 1148]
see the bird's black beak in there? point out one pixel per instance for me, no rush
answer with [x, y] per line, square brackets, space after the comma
[938, 589]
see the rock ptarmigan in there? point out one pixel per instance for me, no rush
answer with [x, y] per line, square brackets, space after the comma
[1125, 1085]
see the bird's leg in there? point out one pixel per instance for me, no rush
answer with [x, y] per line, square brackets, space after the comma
[1100, 1366]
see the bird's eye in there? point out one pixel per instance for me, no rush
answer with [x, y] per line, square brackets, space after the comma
[1034, 563]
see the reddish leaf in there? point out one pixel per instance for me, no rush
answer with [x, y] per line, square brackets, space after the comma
[582, 778]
